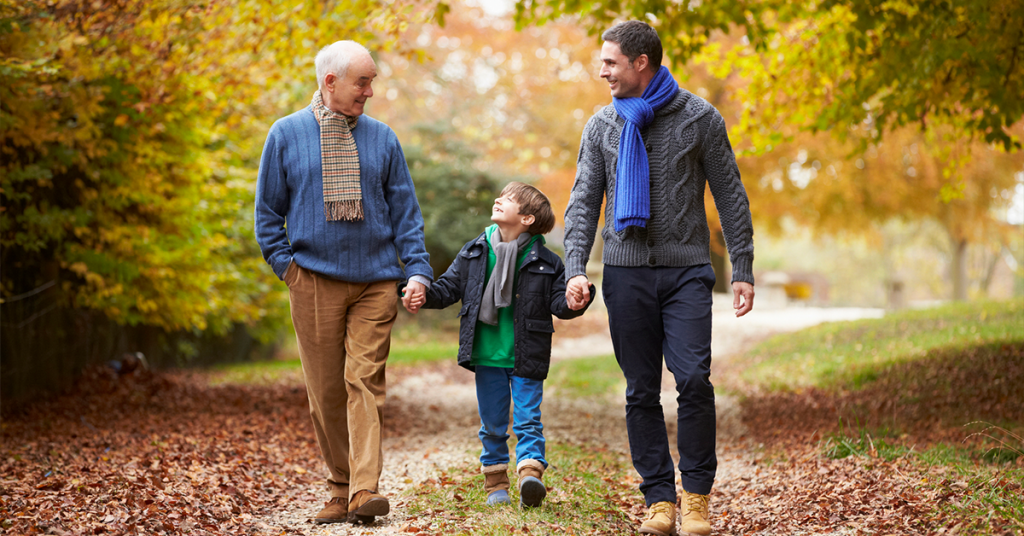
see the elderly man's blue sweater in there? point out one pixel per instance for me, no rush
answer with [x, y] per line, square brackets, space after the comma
[289, 190]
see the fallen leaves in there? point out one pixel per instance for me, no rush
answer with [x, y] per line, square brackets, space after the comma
[155, 454]
[800, 491]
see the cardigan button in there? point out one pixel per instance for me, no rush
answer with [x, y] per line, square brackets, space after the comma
[651, 260]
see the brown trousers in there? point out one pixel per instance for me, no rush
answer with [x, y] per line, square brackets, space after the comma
[344, 336]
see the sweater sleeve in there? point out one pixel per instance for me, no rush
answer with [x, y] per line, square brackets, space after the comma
[406, 218]
[584, 209]
[272, 206]
[730, 198]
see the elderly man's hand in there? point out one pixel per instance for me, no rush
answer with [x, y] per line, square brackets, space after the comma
[743, 297]
[414, 297]
[577, 292]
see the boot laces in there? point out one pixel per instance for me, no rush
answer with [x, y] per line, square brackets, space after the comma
[660, 508]
[698, 503]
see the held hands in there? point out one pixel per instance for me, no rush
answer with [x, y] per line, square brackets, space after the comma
[577, 292]
[743, 297]
[414, 297]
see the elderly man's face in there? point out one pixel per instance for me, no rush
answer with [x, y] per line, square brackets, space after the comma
[623, 78]
[348, 95]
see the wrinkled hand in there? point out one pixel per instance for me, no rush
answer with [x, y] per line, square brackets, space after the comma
[743, 297]
[414, 297]
[577, 292]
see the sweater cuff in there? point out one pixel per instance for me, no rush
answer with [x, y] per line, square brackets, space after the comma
[280, 265]
[422, 280]
[574, 267]
[743, 269]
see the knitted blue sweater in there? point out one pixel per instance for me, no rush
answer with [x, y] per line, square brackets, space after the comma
[289, 190]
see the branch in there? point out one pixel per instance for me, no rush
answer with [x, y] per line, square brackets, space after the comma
[30, 293]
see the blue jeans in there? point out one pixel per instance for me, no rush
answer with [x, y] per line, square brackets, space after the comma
[655, 312]
[496, 389]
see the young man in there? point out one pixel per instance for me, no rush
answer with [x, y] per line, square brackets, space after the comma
[651, 153]
[509, 285]
[339, 180]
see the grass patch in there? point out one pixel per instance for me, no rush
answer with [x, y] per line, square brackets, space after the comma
[851, 354]
[585, 377]
[590, 491]
[862, 443]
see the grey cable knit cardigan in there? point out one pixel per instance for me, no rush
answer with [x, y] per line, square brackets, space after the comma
[687, 146]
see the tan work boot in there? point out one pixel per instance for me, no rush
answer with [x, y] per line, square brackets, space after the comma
[531, 487]
[496, 483]
[367, 505]
[696, 514]
[661, 519]
[335, 511]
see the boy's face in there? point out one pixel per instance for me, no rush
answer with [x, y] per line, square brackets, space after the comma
[506, 211]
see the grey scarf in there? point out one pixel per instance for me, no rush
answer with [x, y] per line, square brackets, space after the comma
[498, 292]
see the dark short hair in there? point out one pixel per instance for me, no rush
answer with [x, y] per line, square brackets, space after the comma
[532, 202]
[636, 37]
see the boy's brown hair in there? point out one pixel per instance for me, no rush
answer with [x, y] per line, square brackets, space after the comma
[532, 202]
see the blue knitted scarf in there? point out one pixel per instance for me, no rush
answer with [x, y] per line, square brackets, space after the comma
[633, 173]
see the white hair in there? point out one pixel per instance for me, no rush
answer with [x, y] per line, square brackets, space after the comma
[335, 58]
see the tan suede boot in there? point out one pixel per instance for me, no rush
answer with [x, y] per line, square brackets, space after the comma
[367, 505]
[531, 487]
[661, 519]
[335, 511]
[496, 483]
[696, 514]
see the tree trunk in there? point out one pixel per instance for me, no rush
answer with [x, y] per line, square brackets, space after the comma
[959, 269]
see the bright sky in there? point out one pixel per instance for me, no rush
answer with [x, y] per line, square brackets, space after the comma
[1016, 213]
[495, 8]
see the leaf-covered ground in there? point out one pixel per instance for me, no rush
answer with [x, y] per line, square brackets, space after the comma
[152, 454]
[951, 401]
[172, 454]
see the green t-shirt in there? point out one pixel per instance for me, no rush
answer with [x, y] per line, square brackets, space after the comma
[494, 346]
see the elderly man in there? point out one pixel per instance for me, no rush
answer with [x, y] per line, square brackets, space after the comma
[651, 153]
[335, 211]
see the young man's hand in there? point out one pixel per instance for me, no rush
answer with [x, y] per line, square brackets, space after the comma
[414, 297]
[743, 297]
[577, 292]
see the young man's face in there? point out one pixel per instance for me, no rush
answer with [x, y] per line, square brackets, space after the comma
[350, 93]
[623, 79]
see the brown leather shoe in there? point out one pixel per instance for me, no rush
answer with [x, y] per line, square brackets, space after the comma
[335, 511]
[367, 505]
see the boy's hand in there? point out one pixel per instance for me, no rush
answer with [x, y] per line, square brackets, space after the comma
[414, 297]
[577, 292]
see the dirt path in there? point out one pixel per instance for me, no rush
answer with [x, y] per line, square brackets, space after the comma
[439, 402]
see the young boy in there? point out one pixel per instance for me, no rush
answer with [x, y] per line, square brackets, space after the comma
[510, 285]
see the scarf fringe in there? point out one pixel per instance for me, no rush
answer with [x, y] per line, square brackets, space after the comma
[348, 210]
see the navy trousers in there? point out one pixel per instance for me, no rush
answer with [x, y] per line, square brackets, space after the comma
[655, 312]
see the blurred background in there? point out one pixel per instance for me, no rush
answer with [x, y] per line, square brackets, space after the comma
[879, 143]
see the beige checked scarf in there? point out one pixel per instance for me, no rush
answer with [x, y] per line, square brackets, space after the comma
[339, 159]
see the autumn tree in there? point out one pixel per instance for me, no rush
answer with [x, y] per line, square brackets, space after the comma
[831, 65]
[130, 136]
[519, 99]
